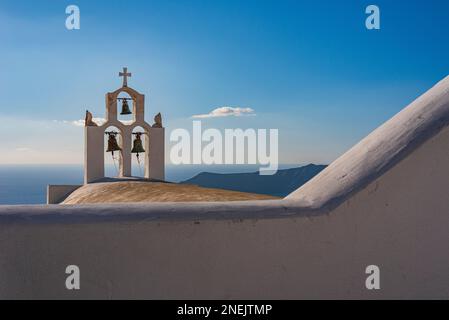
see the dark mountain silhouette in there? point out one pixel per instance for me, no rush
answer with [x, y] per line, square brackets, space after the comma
[280, 184]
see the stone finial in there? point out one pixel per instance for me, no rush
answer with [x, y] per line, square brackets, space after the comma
[88, 122]
[157, 121]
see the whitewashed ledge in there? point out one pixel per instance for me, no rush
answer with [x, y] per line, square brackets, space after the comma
[163, 211]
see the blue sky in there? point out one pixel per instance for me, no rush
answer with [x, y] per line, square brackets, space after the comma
[309, 68]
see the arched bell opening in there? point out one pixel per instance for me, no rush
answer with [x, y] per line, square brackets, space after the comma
[113, 145]
[139, 151]
[125, 106]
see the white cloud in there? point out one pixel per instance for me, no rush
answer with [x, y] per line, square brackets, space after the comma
[24, 149]
[226, 112]
[80, 123]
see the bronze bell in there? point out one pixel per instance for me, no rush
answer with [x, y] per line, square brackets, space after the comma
[137, 144]
[125, 107]
[112, 143]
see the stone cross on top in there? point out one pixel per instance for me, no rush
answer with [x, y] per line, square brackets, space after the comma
[125, 76]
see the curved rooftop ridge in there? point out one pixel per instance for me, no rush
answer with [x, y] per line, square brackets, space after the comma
[379, 151]
[156, 211]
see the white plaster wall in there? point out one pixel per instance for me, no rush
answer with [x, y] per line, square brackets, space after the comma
[399, 222]
[156, 154]
[93, 153]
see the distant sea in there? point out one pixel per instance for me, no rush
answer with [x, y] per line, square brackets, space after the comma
[27, 184]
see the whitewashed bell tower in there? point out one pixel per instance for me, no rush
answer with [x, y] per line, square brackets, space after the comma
[153, 138]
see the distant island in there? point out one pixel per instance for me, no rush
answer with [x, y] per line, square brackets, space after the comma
[279, 185]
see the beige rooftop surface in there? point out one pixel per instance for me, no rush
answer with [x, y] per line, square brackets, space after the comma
[145, 191]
